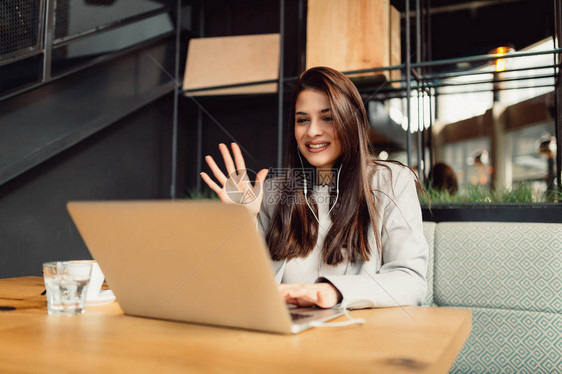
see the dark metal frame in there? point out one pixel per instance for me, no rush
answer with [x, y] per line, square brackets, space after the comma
[280, 84]
[177, 88]
[110, 26]
[420, 72]
[30, 51]
[47, 41]
[557, 34]
[280, 97]
[45, 35]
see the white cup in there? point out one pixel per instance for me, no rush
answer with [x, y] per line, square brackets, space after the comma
[96, 281]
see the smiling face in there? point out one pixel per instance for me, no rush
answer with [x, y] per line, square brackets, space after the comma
[315, 129]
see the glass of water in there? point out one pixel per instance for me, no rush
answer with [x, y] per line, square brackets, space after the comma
[66, 283]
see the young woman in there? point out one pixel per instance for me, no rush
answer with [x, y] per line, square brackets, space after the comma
[339, 225]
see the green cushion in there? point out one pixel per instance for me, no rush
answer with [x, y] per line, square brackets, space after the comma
[499, 265]
[511, 341]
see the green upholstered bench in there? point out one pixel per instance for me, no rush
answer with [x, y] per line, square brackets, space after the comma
[510, 276]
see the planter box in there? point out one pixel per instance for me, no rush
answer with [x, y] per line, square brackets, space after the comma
[494, 212]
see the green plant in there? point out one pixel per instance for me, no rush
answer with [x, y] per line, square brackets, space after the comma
[555, 195]
[205, 193]
[522, 193]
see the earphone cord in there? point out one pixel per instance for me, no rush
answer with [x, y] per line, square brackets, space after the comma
[306, 189]
[346, 303]
[345, 307]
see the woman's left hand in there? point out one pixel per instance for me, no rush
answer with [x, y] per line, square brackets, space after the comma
[324, 295]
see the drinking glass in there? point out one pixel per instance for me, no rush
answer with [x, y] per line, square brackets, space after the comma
[66, 283]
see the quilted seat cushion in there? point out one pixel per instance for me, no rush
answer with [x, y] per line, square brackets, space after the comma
[511, 341]
[499, 265]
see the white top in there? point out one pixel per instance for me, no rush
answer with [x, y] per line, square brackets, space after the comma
[310, 268]
[396, 279]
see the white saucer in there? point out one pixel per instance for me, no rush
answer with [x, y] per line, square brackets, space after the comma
[104, 297]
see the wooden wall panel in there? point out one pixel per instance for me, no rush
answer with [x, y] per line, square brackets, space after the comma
[232, 59]
[348, 35]
[395, 43]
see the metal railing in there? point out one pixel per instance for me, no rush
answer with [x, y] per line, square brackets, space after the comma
[36, 28]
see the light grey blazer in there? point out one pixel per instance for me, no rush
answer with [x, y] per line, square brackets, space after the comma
[399, 277]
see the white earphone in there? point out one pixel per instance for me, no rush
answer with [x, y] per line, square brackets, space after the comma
[306, 189]
[346, 303]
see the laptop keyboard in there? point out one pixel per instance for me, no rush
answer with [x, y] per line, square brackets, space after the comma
[298, 316]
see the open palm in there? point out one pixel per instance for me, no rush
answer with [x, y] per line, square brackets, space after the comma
[235, 187]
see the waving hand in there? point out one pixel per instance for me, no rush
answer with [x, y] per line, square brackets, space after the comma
[235, 187]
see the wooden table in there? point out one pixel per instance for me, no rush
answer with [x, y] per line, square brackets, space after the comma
[104, 340]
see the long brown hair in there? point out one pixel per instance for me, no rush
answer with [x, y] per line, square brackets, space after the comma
[293, 229]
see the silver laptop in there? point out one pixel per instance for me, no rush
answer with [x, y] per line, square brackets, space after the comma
[189, 261]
